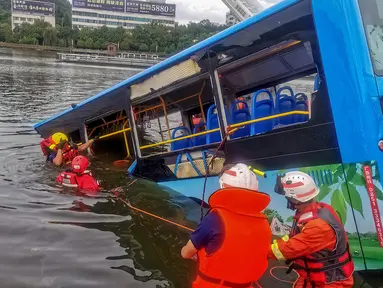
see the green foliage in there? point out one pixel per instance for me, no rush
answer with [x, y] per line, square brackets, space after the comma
[352, 197]
[89, 43]
[143, 48]
[324, 191]
[339, 204]
[152, 37]
[290, 219]
[6, 32]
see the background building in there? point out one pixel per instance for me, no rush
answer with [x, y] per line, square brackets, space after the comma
[231, 19]
[125, 13]
[28, 11]
[242, 9]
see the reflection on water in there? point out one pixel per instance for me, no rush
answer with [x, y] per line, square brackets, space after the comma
[53, 238]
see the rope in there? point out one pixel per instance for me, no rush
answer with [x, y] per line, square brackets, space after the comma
[150, 214]
[228, 132]
[278, 279]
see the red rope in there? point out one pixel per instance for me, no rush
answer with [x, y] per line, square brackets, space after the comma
[148, 213]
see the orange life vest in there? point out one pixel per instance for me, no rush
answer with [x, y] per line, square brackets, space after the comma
[242, 258]
[326, 266]
[69, 155]
[82, 181]
[48, 145]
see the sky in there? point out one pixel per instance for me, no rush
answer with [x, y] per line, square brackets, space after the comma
[197, 10]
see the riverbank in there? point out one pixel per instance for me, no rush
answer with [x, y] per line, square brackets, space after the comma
[50, 48]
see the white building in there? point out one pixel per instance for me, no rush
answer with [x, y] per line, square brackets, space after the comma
[124, 13]
[28, 11]
[242, 9]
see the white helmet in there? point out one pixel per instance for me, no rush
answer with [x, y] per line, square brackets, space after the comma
[239, 176]
[299, 186]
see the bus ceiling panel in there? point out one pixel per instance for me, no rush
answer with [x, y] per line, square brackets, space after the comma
[179, 84]
[184, 98]
[175, 74]
[256, 73]
[278, 67]
[268, 32]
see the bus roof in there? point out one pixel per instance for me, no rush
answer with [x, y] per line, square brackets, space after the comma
[173, 60]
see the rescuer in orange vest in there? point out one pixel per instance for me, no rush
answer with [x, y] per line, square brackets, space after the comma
[232, 241]
[317, 245]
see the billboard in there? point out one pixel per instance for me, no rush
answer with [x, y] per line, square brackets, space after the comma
[33, 7]
[151, 8]
[110, 5]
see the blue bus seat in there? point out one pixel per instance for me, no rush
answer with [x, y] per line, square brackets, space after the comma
[238, 116]
[260, 109]
[212, 123]
[301, 104]
[199, 140]
[182, 144]
[285, 103]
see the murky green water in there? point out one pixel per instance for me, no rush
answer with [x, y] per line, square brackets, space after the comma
[53, 238]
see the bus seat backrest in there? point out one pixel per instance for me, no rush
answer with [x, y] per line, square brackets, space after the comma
[285, 103]
[182, 144]
[212, 123]
[199, 140]
[260, 109]
[301, 104]
[240, 115]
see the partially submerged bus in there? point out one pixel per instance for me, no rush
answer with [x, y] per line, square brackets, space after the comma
[299, 82]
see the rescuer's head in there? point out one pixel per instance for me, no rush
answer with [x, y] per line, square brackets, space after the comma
[298, 188]
[238, 175]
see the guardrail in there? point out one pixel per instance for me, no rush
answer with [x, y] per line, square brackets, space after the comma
[106, 59]
[205, 132]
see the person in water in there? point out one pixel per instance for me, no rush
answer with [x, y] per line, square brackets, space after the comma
[79, 177]
[317, 245]
[232, 240]
[59, 150]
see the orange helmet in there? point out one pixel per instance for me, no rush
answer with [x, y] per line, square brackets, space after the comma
[79, 164]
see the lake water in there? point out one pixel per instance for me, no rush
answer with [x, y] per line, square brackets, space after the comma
[50, 237]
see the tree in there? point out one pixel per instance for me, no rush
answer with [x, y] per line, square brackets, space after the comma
[28, 40]
[151, 37]
[153, 47]
[89, 43]
[270, 214]
[50, 36]
[97, 44]
[6, 32]
[80, 44]
[143, 48]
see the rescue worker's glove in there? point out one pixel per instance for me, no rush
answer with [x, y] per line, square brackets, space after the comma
[61, 144]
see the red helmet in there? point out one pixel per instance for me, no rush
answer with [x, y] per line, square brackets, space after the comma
[79, 164]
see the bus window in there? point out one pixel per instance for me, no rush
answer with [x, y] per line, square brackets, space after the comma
[372, 14]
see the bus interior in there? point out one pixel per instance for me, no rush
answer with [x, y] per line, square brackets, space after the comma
[251, 80]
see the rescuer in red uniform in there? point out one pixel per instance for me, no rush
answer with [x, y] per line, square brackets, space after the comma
[78, 176]
[59, 151]
[317, 246]
[232, 241]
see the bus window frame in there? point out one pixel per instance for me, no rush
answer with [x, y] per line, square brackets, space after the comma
[378, 72]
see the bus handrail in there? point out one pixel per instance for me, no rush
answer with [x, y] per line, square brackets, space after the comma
[296, 112]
